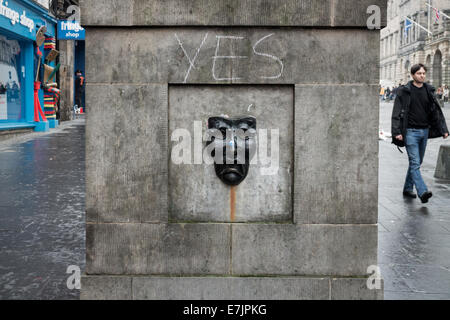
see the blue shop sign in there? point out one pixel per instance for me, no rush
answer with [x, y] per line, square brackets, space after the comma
[22, 18]
[70, 30]
[16, 18]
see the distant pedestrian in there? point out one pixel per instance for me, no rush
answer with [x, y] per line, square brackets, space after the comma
[439, 93]
[416, 117]
[388, 93]
[2, 88]
[79, 88]
[382, 93]
[446, 92]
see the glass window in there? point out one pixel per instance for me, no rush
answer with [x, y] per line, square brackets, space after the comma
[10, 80]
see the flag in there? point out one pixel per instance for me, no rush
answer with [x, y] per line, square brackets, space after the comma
[408, 25]
[437, 16]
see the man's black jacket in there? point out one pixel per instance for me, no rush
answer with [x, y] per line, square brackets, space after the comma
[400, 112]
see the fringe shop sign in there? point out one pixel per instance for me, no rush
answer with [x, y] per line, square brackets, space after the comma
[15, 17]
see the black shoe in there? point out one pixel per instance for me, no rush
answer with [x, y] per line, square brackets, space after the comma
[409, 194]
[425, 196]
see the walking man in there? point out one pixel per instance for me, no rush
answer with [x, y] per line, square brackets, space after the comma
[416, 117]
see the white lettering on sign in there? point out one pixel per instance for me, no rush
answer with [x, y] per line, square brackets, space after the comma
[71, 26]
[15, 17]
[72, 35]
[9, 13]
[216, 56]
[26, 22]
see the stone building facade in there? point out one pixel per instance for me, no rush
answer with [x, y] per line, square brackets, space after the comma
[399, 50]
[159, 229]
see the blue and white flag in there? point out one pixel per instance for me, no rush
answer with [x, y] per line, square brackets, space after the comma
[408, 25]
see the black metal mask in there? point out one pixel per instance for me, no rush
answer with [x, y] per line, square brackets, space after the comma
[233, 144]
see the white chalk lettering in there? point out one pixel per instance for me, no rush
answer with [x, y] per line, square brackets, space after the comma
[216, 56]
[191, 62]
[269, 56]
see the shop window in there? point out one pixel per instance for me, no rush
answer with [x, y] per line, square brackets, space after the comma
[10, 80]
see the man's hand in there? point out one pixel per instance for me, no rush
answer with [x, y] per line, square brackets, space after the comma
[399, 137]
[446, 135]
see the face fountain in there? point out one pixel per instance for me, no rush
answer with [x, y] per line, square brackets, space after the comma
[233, 147]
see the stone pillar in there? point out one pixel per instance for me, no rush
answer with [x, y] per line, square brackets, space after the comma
[66, 75]
[442, 170]
[300, 226]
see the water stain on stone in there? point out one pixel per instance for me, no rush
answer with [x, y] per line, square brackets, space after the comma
[232, 203]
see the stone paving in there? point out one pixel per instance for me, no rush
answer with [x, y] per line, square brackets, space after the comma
[42, 212]
[42, 229]
[413, 238]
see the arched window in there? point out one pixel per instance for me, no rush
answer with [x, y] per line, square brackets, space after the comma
[428, 61]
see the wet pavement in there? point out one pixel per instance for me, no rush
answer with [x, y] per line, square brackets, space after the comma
[42, 212]
[413, 238]
[42, 229]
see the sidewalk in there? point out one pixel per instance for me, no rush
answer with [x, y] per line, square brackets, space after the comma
[413, 238]
[42, 212]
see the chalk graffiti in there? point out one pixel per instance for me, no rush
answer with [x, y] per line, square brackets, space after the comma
[225, 57]
[217, 56]
[191, 62]
[269, 56]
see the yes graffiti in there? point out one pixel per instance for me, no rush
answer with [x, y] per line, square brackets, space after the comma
[233, 40]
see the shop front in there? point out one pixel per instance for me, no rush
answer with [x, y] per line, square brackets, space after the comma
[19, 22]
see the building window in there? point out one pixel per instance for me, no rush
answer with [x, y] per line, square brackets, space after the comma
[11, 107]
[391, 51]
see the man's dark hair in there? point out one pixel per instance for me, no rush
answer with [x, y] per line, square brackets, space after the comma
[417, 67]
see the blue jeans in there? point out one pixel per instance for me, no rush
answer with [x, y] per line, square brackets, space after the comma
[416, 143]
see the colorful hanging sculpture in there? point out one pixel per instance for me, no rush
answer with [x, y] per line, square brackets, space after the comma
[51, 97]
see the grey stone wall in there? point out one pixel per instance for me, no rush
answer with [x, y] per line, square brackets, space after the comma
[66, 72]
[161, 230]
